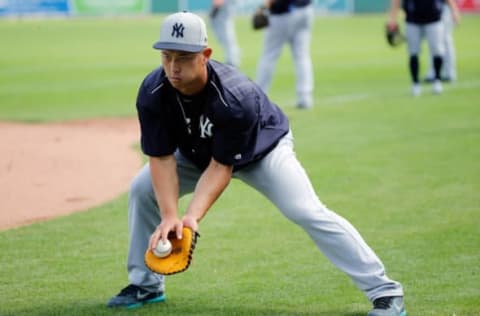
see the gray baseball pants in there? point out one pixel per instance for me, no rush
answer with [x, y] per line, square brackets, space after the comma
[279, 177]
[224, 29]
[295, 29]
[432, 31]
[449, 68]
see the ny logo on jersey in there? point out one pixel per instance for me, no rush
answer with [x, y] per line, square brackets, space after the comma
[177, 30]
[205, 127]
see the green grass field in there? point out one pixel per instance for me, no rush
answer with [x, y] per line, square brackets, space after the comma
[404, 171]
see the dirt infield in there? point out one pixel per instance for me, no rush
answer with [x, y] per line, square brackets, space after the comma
[47, 170]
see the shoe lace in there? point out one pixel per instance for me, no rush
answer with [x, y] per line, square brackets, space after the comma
[130, 289]
[382, 302]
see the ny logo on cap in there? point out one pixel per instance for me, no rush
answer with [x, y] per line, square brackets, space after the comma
[177, 30]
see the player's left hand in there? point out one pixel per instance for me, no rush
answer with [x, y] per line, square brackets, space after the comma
[393, 34]
[213, 12]
[190, 221]
[392, 26]
[179, 258]
[260, 18]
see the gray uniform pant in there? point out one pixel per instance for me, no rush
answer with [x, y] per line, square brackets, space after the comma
[293, 28]
[279, 177]
[432, 31]
[224, 29]
[449, 68]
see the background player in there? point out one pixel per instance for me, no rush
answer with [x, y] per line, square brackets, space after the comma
[449, 69]
[222, 21]
[204, 123]
[423, 19]
[291, 22]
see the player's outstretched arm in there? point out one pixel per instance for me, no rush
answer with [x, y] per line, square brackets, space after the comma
[164, 176]
[209, 187]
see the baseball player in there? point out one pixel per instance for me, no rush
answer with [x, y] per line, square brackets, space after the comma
[423, 19]
[221, 18]
[203, 124]
[291, 22]
[449, 69]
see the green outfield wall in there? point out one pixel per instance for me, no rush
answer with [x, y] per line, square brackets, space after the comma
[370, 6]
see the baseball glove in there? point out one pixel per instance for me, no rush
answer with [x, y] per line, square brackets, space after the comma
[213, 12]
[393, 35]
[180, 257]
[260, 18]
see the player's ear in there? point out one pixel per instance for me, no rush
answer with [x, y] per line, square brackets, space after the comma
[207, 52]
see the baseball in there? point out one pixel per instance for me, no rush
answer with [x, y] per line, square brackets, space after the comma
[163, 249]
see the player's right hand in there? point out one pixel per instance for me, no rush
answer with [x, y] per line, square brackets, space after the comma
[166, 226]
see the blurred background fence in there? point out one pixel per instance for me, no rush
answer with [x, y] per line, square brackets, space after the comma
[19, 8]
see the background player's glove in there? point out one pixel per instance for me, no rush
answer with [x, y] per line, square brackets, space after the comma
[260, 18]
[393, 35]
[213, 12]
[180, 257]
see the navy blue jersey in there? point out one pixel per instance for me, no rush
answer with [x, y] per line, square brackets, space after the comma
[231, 120]
[284, 6]
[423, 11]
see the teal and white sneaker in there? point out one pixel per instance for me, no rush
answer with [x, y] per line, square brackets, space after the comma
[388, 306]
[134, 296]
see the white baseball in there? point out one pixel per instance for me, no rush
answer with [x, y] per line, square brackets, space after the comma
[163, 249]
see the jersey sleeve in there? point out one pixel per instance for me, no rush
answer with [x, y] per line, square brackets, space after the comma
[157, 137]
[156, 140]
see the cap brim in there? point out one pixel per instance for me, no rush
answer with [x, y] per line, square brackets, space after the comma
[178, 46]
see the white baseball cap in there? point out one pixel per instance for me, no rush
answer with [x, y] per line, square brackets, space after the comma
[182, 31]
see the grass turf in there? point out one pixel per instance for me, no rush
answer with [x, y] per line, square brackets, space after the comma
[404, 171]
